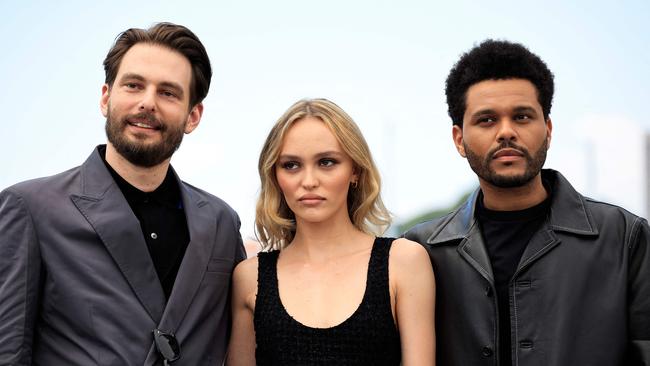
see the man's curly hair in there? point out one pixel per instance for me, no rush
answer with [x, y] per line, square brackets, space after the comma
[496, 60]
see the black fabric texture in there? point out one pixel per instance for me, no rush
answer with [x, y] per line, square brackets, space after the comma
[368, 337]
[506, 235]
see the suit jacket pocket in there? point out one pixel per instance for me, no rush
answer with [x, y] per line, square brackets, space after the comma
[221, 265]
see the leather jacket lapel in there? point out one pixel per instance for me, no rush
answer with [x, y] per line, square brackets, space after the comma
[568, 214]
[542, 242]
[463, 226]
[568, 209]
[472, 249]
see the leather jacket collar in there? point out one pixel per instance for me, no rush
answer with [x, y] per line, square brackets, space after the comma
[568, 213]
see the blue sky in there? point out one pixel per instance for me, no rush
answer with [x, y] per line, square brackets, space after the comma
[384, 62]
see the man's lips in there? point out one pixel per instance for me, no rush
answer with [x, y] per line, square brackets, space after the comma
[143, 123]
[508, 153]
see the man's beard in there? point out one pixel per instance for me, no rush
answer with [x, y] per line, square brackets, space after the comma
[138, 152]
[481, 165]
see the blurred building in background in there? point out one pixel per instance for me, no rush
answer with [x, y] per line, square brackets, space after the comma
[616, 160]
[647, 175]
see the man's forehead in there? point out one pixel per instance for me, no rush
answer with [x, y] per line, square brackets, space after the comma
[514, 93]
[488, 88]
[156, 63]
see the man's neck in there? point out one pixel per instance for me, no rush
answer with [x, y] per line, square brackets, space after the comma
[513, 199]
[142, 178]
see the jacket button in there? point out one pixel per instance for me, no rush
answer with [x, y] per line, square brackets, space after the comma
[487, 351]
[488, 291]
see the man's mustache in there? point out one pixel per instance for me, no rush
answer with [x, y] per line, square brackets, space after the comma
[146, 116]
[508, 144]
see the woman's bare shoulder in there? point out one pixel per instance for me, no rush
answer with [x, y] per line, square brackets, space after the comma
[408, 252]
[246, 271]
[244, 283]
[408, 258]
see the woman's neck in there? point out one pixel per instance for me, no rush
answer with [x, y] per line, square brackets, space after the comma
[325, 240]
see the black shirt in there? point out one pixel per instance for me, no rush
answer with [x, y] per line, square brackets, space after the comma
[162, 220]
[506, 235]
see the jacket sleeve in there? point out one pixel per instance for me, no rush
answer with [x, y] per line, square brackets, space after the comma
[240, 251]
[19, 280]
[639, 295]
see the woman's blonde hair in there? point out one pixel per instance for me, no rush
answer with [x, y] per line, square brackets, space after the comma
[275, 223]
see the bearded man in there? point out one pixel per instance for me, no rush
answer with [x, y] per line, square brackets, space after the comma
[119, 262]
[529, 271]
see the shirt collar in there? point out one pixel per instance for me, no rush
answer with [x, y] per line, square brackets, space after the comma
[167, 193]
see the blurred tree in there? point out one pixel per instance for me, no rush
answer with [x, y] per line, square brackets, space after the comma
[429, 215]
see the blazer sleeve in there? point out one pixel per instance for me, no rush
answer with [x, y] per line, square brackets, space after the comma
[639, 295]
[240, 251]
[20, 280]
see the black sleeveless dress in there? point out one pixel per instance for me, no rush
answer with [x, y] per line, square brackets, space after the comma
[368, 337]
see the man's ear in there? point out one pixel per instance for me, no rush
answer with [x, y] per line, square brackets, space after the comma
[457, 134]
[103, 101]
[549, 132]
[194, 118]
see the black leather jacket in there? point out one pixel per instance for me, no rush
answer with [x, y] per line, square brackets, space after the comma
[580, 295]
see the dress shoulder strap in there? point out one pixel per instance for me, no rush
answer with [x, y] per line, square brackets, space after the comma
[267, 280]
[377, 285]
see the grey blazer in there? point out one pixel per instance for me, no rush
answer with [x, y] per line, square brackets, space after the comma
[77, 284]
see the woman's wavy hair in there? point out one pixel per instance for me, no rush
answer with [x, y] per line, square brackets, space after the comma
[275, 223]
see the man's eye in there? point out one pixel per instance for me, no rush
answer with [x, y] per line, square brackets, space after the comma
[168, 94]
[483, 120]
[522, 117]
[131, 85]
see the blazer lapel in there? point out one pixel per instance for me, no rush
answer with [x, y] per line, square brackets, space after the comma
[103, 205]
[202, 225]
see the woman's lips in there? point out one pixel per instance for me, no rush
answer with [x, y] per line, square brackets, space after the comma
[311, 199]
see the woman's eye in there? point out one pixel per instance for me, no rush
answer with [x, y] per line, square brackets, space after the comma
[290, 165]
[327, 162]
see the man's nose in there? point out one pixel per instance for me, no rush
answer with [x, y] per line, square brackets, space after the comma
[507, 130]
[148, 102]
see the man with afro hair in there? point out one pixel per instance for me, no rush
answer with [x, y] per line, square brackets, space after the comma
[528, 270]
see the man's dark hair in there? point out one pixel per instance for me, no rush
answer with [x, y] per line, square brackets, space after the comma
[175, 37]
[496, 60]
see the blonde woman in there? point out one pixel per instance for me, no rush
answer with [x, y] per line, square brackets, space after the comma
[326, 290]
